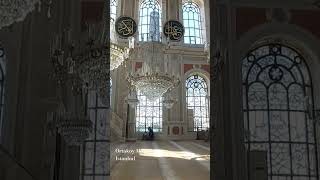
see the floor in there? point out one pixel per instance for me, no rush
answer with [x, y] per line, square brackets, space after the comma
[161, 160]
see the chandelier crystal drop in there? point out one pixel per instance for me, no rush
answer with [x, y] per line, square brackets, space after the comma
[117, 55]
[168, 101]
[156, 77]
[12, 11]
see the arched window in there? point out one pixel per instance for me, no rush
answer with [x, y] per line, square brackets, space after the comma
[276, 82]
[148, 114]
[2, 78]
[150, 21]
[192, 23]
[113, 10]
[197, 101]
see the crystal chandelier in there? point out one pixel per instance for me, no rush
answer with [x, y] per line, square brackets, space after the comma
[74, 129]
[116, 56]
[92, 64]
[12, 11]
[156, 77]
[118, 53]
[168, 101]
[88, 60]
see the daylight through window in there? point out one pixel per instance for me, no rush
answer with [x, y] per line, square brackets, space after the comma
[150, 21]
[197, 101]
[192, 23]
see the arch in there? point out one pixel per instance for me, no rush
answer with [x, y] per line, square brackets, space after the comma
[193, 22]
[150, 20]
[276, 79]
[203, 73]
[294, 36]
[197, 100]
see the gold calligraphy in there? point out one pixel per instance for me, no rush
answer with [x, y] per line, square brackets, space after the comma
[126, 27]
[174, 30]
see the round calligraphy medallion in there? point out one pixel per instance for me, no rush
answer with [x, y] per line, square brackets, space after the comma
[174, 30]
[125, 26]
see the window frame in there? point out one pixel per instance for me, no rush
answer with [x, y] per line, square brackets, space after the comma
[146, 17]
[200, 26]
[114, 6]
[205, 86]
[285, 68]
[140, 108]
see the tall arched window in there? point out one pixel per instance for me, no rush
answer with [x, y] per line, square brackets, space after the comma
[113, 10]
[2, 78]
[197, 101]
[192, 23]
[148, 114]
[150, 21]
[276, 82]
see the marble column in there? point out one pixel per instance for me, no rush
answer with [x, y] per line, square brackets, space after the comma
[131, 125]
[228, 161]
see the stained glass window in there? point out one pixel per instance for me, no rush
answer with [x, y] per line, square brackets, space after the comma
[2, 78]
[113, 10]
[148, 114]
[192, 23]
[276, 82]
[150, 21]
[197, 100]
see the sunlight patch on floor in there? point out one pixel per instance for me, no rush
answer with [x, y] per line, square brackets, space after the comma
[173, 154]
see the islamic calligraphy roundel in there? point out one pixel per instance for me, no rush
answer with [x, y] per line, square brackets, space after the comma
[174, 30]
[125, 26]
